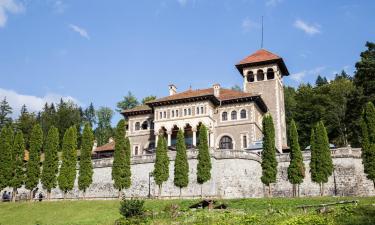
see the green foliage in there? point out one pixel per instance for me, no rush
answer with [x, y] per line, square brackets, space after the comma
[296, 169]
[51, 161]
[33, 164]
[89, 115]
[364, 77]
[25, 123]
[309, 220]
[48, 118]
[121, 173]
[148, 98]
[320, 81]
[368, 140]
[6, 149]
[269, 162]
[68, 114]
[18, 174]
[161, 166]
[181, 166]
[5, 112]
[132, 207]
[67, 173]
[236, 88]
[204, 160]
[128, 102]
[104, 130]
[85, 164]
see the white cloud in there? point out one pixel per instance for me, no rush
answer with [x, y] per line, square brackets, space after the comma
[273, 2]
[33, 103]
[81, 31]
[298, 77]
[9, 6]
[307, 28]
[248, 25]
[59, 6]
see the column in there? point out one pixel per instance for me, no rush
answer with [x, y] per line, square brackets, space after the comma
[212, 141]
[169, 133]
[194, 136]
[156, 139]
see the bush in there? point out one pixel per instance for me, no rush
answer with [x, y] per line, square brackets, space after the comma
[132, 207]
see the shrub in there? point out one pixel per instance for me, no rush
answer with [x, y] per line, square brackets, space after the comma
[132, 207]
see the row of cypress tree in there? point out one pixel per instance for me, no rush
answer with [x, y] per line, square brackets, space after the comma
[15, 172]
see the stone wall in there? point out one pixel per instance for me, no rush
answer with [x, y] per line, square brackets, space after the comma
[235, 174]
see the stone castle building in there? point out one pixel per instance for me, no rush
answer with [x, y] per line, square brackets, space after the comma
[233, 118]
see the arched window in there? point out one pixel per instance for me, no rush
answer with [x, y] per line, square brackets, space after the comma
[260, 75]
[189, 111]
[136, 150]
[172, 113]
[197, 111]
[244, 140]
[144, 125]
[233, 115]
[185, 112]
[226, 143]
[161, 115]
[137, 126]
[270, 74]
[250, 76]
[165, 114]
[243, 114]
[224, 116]
[202, 110]
[177, 113]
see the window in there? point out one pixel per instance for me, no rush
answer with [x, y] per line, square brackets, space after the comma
[144, 125]
[233, 115]
[136, 150]
[260, 75]
[161, 115]
[189, 110]
[202, 110]
[137, 126]
[250, 76]
[172, 113]
[185, 112]
[224, 116]
[176, 113]
[243, 114]
[165, 114]
[226, 143]
[244, 140]
[197, 110]
[270, 74]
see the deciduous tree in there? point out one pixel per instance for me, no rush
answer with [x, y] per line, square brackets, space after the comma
[129, 101]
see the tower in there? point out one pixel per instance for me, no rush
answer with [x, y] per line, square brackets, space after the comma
[262, 72]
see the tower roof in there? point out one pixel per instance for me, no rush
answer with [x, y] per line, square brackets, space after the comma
[262, 57]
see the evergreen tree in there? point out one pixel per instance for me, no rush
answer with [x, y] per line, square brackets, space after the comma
[5, 112]
[127, 168]
[104, 130]
[148, 98]
[89, 115]
[368, 140]
[48, 118]
[296, 169]
[204, 160]
[181, 166]
[33, 163]
[25, 123]
[320, 81]
[269, 162]
[314, 161]
[67, 173]
[68, 114]
[161, 166]
[85, 164]
[321, 159]
[51, 161]
[364, 77]
[18, 175]
[6, 161]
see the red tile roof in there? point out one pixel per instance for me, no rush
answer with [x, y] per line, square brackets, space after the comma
[107, 147]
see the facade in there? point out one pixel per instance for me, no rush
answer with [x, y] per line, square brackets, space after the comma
[233, 118]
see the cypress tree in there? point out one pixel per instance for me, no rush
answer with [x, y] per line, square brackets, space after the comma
[368, 140]
[85, 164]
[6, 148]
[127, 168]
[204, 160]
[18, 166]
[296, 169]
[33, 164]
[51, 160]
[161, 166]
[269, 163]
[181, 166]
[118, 168]
[67, 173]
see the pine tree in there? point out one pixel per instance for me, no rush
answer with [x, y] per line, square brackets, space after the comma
[269, 163]
[119, 158]
[85, 164]
[204, 160]
[89, 115]
[296, 169]
[5, 112]
[18, 175]
[181, 166]
[161, 166]
[321, 165]
[33, 164]
[67, 173]
[6, 148]
[51, 161]
[368, 140]
[25, 123]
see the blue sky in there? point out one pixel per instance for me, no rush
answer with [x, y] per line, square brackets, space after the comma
[97, 51]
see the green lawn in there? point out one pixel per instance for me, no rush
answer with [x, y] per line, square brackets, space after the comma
[241, 211]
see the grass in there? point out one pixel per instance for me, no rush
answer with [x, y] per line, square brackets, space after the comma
[241, 211]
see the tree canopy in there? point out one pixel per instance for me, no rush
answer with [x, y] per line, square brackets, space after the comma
[33, 164]
[128, 102]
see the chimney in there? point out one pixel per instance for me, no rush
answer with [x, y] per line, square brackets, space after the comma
[111, 140]
[216, 90]
[172, 89]
[94, 146]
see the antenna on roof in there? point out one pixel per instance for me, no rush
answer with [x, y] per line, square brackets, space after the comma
[261, 43]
